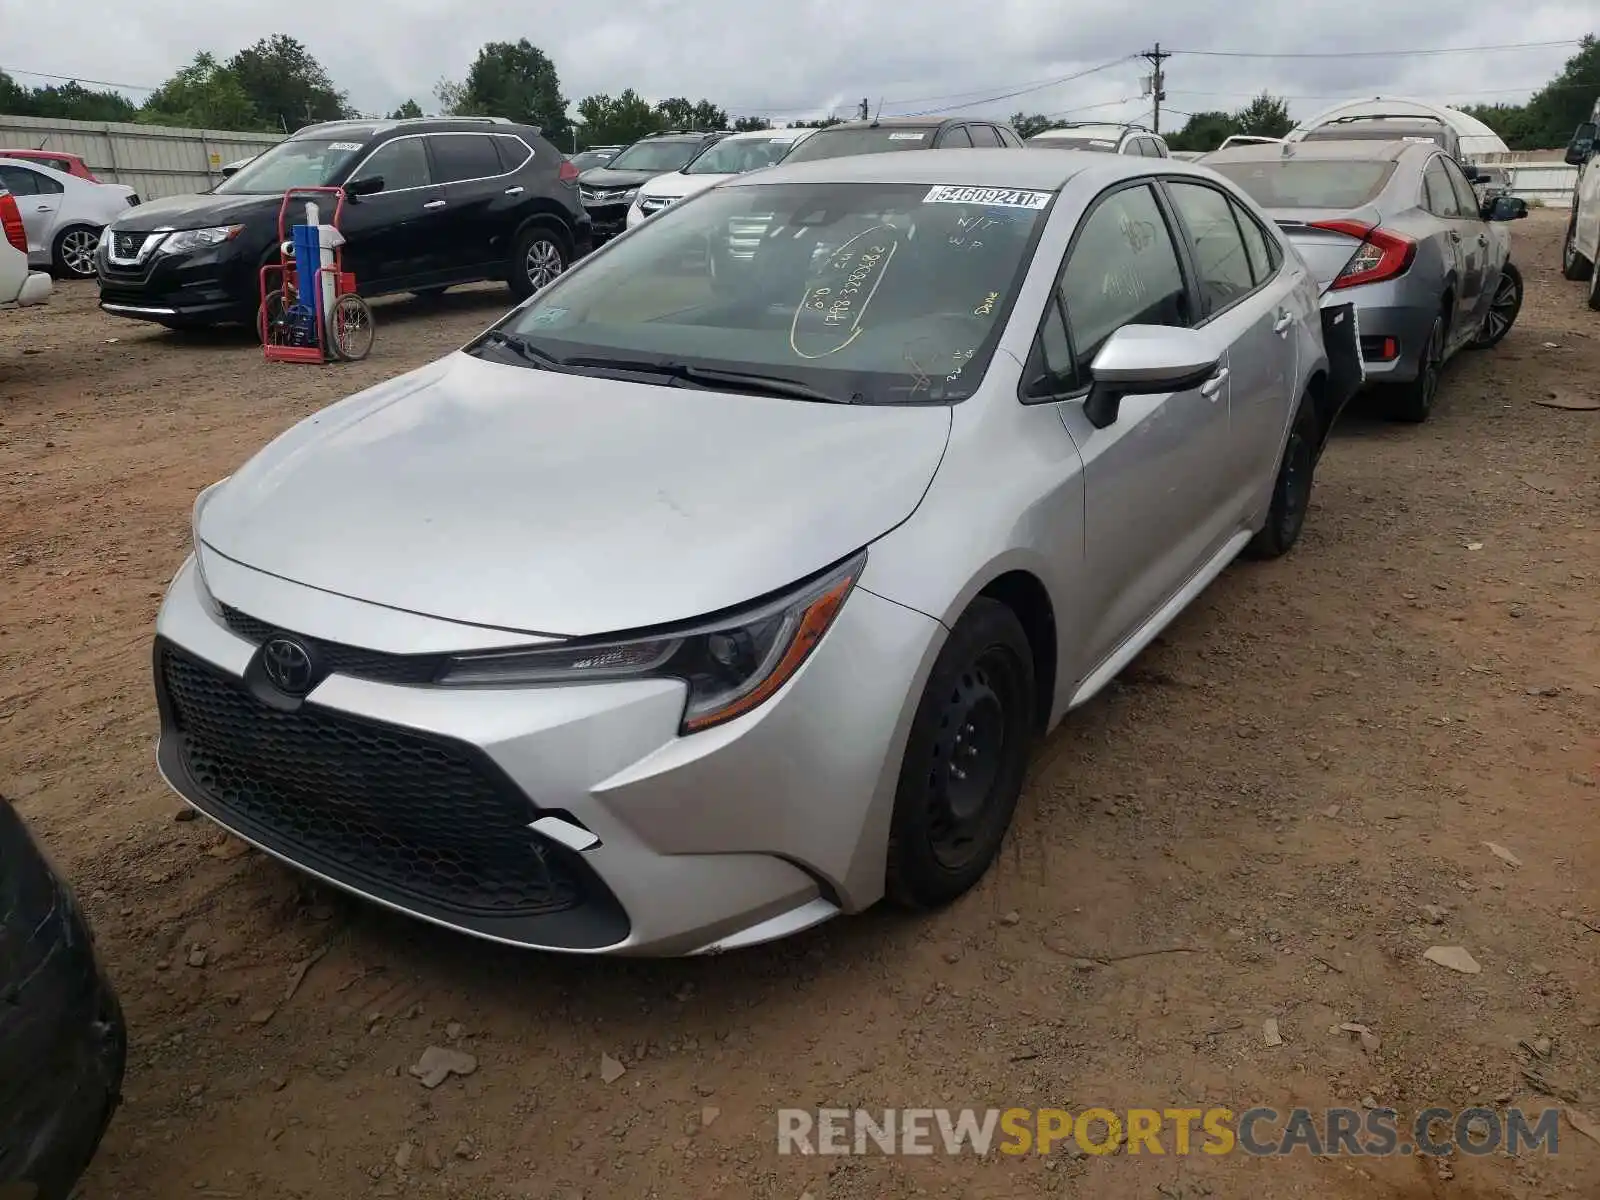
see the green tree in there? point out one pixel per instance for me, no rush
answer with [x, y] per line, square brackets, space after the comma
[202, 95]
[820, 123]
[511, 79]
[1028, 124]
[1563, 104]
[408, 111]
[67, 101]
[1513, 122]
[1204, 131]
[679, 113]
[1265, 116]
[617, 120]
[287, 85]
[751, 124]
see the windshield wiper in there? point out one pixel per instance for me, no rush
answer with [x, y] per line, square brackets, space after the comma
[717, 379]
[522, 348]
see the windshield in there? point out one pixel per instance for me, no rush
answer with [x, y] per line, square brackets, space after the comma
[1074, 141]
[661, 156]
[585, 159]
[869, 293]
[736, 156]
[1307, 183]
[843, 143]
[302, 162]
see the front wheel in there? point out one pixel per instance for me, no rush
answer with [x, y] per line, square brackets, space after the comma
[1291, 491]
[542, 253]
[1503, 309]
[1574, 265]
[965, 759]
[74, 251]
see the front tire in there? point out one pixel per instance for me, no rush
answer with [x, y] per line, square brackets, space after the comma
[1503, 309]
[542, 253]
[1291, 491]
[74, 250]
[1594, 290]
[965, 759]
[1412, 402]
[1574, 266]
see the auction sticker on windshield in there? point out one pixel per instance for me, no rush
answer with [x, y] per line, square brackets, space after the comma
[949, 193]
[344, 145]
[907, 137]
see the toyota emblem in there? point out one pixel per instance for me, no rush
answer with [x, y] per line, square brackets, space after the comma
[288, 664]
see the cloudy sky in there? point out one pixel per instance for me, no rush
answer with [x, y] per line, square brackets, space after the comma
[807, 57]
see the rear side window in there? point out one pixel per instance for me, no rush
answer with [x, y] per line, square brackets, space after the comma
[23, 182]
[1158, 148]
[458, 157]
[1009, 138]
[954, 138]
[1438, 197]
[984, 136]
[1308, 183]
[1122, 270]
[402, 163]
[1261, 249]
[1466, 198]
[513, 153]
[1221, 261]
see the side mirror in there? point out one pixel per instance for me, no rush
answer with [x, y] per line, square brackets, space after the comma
[1145, 360]
[228, 170]
[1582, 145]
[1508, 208]
[365, 186]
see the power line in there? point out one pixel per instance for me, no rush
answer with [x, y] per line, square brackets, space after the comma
[1379, 53]
[1105, 66]
[1532, 87]
[133, 87]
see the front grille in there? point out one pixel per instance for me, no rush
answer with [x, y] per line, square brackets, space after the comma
[654, 204]
[339, 659]
[388, 810]
[127, 245]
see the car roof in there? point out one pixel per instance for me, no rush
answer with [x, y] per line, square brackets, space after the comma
[363, 129]
[1366, 149]
[1036, 169]
[902, 123]
[751, 135]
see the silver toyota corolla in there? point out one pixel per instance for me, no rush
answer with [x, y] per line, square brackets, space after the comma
[1396, 228]
[705, 597]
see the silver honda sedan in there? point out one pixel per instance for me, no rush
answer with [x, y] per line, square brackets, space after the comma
[1396, 228]
[705, 597]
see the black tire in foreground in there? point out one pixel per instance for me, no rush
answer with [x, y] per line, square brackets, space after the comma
[543, 252]
[1291, 492]
[965, 759]
[1413, 401]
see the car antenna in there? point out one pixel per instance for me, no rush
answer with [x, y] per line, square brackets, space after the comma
[878, 111]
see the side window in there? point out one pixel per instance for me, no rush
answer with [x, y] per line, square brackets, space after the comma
[1122, 270]
[1221, 262]
[1255, 244]
[402, 163]
[458, 157]
[1158, 149]
[1010, 139]
[955, 137]
[984, 136]
[47, 186]
[1053, 356]
[17, 181]
[1466, 198]
[513, 152]
[1438, 196]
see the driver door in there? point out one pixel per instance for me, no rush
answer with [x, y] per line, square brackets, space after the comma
[395, 236]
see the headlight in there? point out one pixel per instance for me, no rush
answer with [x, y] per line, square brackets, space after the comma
[732, 665]
[198, 239]
[200, 503]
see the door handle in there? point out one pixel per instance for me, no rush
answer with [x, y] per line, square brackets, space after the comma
[45, 208]
[1211, 387]
[1281, 325]
[1455, 236]
[514, 191]
[1483, 239]
[434, 204]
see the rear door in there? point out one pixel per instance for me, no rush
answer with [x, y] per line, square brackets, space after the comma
[1486, 248]
[468, 164]
[1250, 301]
[39, 200]
[1454, 241]
[392, 237]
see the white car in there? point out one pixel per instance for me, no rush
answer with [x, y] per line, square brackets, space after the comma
[62, 214]
[18, 285]
[1580, 249]
[733, 155]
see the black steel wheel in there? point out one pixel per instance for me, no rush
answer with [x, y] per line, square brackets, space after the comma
[965, 759]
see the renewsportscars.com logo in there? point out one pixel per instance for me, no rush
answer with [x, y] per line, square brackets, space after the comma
[1259, 1132]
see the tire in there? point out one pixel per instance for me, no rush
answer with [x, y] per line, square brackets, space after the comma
[271, 310]
[429, 295]
[1594, 290]
[1291, 491]
[1412, 402]
[977, 716]
[352, 331]
[543, 252]
[1574, 266]
[72, 256]
[1503, 309]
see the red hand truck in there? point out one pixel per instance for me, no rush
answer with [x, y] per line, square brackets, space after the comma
[292, 321]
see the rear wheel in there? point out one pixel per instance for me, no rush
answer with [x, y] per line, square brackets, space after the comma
[269, 319]
[1594, 290]
[1503, 309]
[1291, 493]
[1574, 265]
[543, 252]
[965, 759]
[73, 253]
[1413, 401]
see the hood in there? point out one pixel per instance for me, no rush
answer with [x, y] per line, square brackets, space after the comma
[197, 212]
[598, 178]
[568, 505]
[675, 185]
[1325, 251]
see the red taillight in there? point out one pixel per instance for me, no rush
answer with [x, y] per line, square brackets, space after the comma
[1383, 254]
[11, 222]
[568, 173]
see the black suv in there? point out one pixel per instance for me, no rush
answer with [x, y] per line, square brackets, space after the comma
[904, 133]
[429, 203]
[608, 191]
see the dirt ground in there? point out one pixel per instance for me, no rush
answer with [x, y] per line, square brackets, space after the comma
[1263, 806]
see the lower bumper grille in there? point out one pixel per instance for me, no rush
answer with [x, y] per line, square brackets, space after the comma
[411, 819]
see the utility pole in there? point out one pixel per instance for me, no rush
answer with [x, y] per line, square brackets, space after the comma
[1158, 80]
[866, 109]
